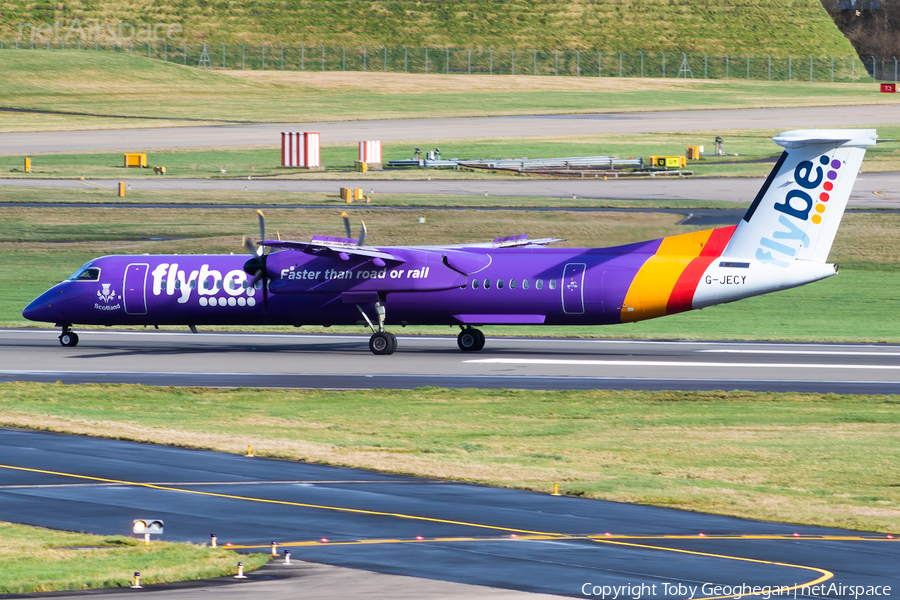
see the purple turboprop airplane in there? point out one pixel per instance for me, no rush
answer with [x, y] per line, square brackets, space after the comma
[783, 241]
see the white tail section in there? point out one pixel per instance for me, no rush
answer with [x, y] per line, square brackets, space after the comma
[797, 212]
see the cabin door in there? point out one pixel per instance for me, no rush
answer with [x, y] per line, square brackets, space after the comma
[134, 294]
[573, 288]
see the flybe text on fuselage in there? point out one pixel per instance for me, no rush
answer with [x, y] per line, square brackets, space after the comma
[169, 279]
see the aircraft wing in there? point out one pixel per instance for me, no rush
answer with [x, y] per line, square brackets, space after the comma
[336, 245]
[512, 241]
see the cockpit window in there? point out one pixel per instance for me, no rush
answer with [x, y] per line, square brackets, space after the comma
[86, 274]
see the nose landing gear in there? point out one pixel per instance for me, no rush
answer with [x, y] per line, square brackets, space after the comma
[68, 337]
[470, 340]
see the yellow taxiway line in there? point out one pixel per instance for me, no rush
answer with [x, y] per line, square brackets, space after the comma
[609, 539]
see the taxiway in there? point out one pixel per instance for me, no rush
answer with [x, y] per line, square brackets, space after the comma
[433, 529]
[421, 130]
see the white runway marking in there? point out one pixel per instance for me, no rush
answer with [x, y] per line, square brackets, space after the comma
[665, 363]
[822, 352]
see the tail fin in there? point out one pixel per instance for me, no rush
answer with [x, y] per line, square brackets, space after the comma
[797, 212]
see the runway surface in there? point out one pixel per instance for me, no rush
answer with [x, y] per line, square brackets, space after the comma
[423, 130]
[874, 190]
[473, 535]
[345, 362]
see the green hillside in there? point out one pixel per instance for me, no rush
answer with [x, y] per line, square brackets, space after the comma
[735, 27]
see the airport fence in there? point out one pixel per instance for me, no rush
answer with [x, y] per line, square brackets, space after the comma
[490, 61]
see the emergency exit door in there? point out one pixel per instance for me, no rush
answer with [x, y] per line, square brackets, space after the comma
[573, 288]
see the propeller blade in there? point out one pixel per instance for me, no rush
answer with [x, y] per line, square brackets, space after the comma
[265, 284]
[265, 292]
[257, 267]
[362, 234]
[249, 246]
[346, 218]
[262, 225]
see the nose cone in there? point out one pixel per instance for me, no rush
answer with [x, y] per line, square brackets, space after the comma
[42, 309]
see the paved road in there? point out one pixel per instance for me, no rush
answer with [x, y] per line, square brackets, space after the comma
[469, 535]
[872, 190]
[421, 130]
[344, 361]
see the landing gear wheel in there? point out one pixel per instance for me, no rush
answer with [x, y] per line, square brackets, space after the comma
[470, 340]
[382, 343]
[68, 338]
[393, 341]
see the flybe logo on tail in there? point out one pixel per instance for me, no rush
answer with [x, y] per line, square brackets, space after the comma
[816, 182]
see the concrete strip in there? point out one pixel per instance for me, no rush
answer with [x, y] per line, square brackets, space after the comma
[421, 130]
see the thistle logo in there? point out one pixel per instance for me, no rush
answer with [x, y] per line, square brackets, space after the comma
[796, 208]
[106, 294]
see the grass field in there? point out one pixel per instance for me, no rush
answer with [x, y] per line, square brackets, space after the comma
[131, 86]
[800, 26]
[41, 560]
[91, 193]
[825, 460]
[44, 245]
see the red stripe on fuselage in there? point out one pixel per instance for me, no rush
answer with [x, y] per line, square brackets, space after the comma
[683, 293]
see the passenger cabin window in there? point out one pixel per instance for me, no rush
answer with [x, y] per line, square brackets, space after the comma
[539, 284]
[512, 284]
[86, 274]
[552, 284]
[524, 284]
[474, 284]
[487, 284]
[499, 284]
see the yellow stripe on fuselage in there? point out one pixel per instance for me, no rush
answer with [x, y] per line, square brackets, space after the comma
[649, 293]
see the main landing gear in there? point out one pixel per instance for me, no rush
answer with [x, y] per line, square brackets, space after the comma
[470, 340]
[68, 337]
[381, 342]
